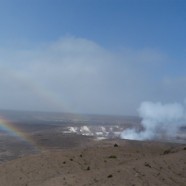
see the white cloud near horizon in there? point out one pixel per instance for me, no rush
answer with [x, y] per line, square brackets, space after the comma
[78, 75]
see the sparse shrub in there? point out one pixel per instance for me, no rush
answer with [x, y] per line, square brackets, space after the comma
[112, 156]
[147, 164]
[115, 145]
[167, 151]
[88, 168]
[109, 176]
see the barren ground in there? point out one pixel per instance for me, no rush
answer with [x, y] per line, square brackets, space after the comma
[102, 163]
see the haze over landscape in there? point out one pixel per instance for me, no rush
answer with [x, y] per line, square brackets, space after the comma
[92, 92]
[103, 57]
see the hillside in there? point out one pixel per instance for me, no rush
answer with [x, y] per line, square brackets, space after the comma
[103, 163]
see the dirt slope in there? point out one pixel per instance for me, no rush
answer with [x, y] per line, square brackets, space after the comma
[128, 163]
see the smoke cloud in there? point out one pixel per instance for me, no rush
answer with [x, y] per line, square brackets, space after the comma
[158, 121]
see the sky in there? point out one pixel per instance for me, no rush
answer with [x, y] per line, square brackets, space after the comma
[91, 56]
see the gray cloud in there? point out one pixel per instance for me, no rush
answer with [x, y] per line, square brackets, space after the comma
[77, 75]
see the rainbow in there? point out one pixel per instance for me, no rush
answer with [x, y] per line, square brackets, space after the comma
[46, 95]
[42, 93]
[9, 127]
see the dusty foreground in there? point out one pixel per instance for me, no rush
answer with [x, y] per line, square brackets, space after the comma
[125, 163]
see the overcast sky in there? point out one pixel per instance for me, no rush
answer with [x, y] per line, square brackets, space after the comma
[91, 56]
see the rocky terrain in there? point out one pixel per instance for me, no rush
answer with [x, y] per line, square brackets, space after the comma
[101, 163]
[54, 149]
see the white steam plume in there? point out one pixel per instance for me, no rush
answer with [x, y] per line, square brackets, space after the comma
[158, 120]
